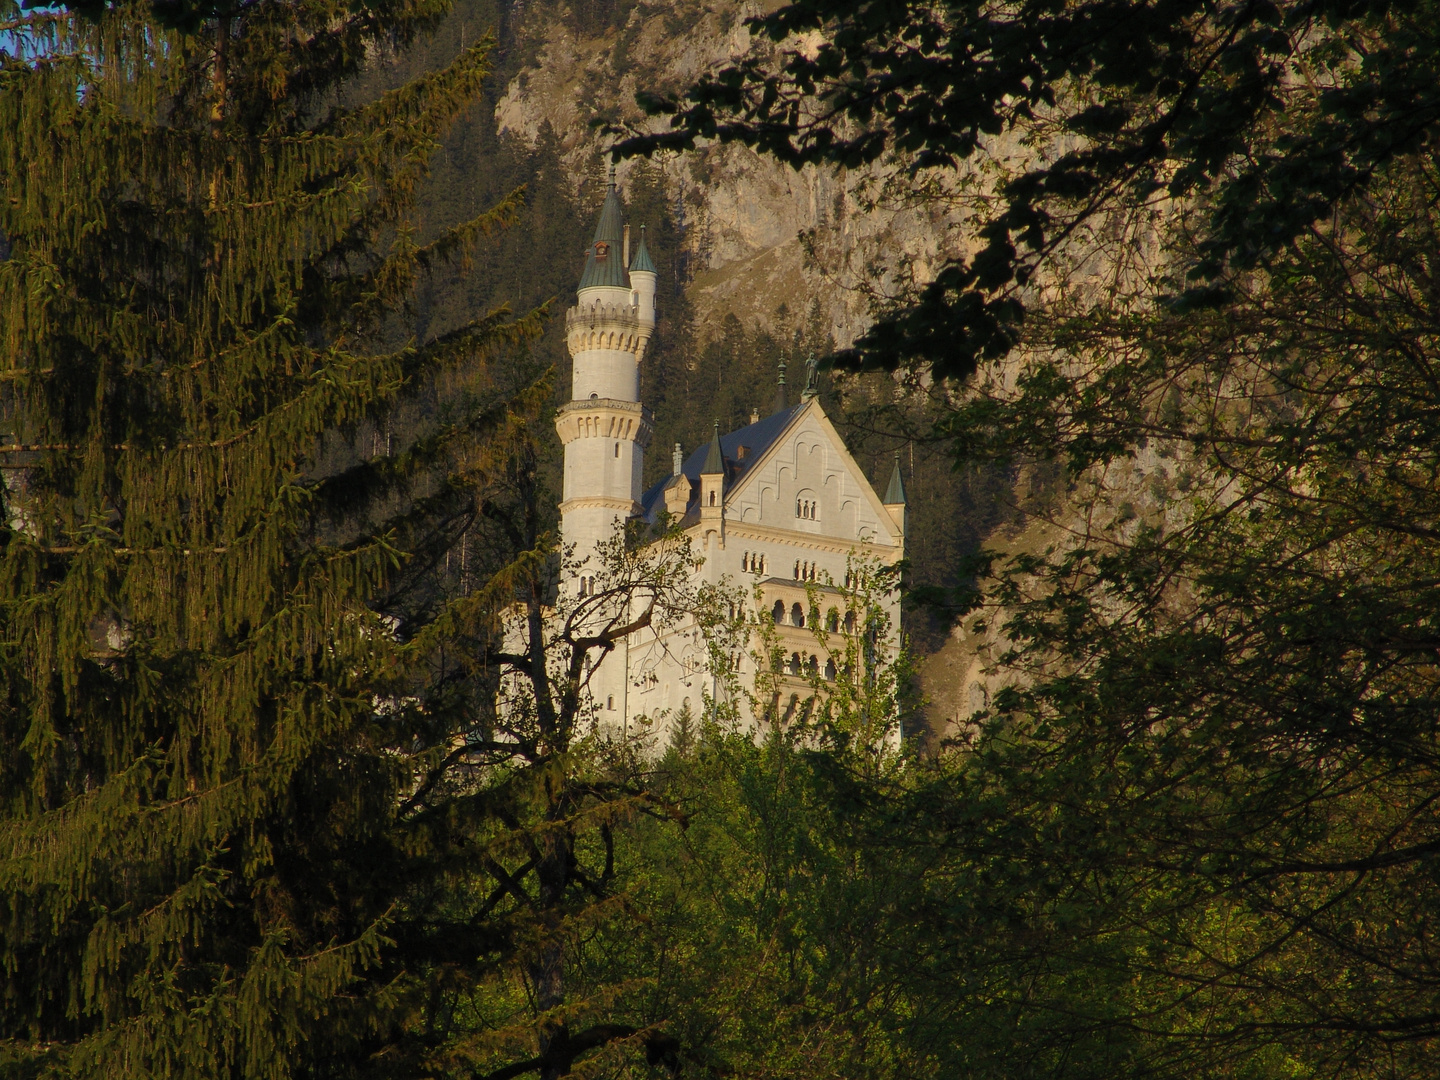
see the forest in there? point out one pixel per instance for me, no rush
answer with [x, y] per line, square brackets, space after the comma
[298, 774]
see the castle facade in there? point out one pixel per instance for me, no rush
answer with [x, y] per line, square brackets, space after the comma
[778, 507]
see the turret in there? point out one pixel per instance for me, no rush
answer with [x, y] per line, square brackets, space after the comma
[642, 282]
[712, 480]
[895, 499]
[604, 427]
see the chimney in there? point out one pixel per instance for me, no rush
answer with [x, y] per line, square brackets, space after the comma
[677, 460]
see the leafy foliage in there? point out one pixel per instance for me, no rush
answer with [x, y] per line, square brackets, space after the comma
[1120, 101]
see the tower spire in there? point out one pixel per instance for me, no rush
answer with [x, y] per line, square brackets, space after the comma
[604, 262]
[895, 493]
[715, 457]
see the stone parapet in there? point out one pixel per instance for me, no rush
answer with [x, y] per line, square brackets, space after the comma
[605, 418]
[599, 325]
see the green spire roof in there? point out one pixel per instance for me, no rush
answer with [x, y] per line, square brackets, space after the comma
[603, 262]
[895, 493]
[715, 459]
[641, 261]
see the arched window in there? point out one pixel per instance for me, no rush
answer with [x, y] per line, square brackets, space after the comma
[812, 666]
[797, 615]
[779, 612]
[832, 620]
[797, 569]
[794, 663]
[712, 498]
[798, 508]
[849, 622]
[830, 670]
[617, 449]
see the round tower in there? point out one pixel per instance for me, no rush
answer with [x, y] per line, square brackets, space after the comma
[603, 427]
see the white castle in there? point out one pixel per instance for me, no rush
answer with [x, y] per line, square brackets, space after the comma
[779, 504]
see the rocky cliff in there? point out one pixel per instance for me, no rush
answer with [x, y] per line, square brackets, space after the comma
[759, 235]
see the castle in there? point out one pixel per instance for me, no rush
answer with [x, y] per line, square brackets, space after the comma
[779, 504]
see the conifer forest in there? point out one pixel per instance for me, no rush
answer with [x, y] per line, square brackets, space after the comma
[301, 776]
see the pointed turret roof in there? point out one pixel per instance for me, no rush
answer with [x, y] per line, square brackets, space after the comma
[895, 493]
[641, 261]
[715, 458]
[603, 262]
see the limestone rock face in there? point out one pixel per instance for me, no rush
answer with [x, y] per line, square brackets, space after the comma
[749, 222]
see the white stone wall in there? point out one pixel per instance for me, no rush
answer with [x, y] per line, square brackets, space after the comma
[606, 373]
[765, 540]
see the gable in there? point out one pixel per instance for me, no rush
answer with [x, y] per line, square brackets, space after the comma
[806, 481]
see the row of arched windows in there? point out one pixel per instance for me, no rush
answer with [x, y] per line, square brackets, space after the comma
[804, 571]
[752, 562]
[810, 666]
[797, 617]
[808, 509]
[797, 614]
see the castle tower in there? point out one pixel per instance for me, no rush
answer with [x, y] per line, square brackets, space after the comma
[603, 427]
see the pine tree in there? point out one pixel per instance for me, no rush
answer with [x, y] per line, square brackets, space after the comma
[229, 705]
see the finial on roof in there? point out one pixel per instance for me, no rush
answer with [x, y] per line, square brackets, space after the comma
[812, 377]
[715, 459]
[612, 174]
[895, 493]
[782, 399]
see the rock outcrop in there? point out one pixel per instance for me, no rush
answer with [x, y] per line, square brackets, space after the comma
[759, 235]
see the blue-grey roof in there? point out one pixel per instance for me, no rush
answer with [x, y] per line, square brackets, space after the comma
[641, 261]
[604, 262]
[757, 438]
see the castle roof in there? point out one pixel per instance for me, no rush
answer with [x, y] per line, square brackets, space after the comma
[603, 262]
[641, 261]
[755, 438]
